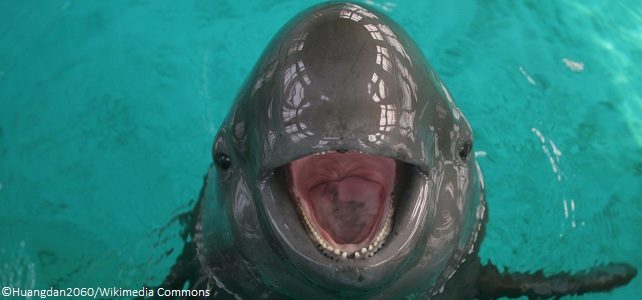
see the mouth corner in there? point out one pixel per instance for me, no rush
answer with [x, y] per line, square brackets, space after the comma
[345, 201]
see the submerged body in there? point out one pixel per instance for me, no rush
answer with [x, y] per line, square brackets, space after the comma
[344, 170]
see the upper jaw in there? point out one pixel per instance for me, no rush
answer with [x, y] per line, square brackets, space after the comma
[345, 201]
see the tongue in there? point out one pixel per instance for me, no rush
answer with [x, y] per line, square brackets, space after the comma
[347, 209]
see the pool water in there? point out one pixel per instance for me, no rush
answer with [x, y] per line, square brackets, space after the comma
[108, 110]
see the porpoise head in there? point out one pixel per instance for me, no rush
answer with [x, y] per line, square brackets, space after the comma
[344, 168]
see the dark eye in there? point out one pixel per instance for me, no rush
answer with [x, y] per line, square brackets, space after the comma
[222, 161]
[464, 151]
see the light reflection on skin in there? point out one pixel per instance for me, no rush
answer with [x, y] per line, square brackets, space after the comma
[295, 78]
[242, 211]
[396, 114]
[342, 79]
[391, 86]
[339, 78]
[392, 63]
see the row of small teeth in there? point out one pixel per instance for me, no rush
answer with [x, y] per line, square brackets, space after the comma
[364, 252]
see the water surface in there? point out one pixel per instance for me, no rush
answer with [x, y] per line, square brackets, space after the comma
[108, 110]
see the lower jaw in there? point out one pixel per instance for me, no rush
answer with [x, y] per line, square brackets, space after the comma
[350, 251]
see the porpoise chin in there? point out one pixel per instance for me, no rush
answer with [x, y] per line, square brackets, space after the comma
[344, 169]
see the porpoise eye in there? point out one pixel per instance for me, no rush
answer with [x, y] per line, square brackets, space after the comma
[222, 161]
[464, 151]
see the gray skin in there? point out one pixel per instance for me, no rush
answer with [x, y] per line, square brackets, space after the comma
[342, 77]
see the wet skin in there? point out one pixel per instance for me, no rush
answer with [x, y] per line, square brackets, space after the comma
[345, 170]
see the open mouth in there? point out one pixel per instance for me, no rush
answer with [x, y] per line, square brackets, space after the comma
[345, 201]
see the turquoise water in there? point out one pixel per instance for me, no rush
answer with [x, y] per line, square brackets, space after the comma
[108, 110]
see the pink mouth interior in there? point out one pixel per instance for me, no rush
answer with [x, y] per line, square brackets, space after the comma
[345, 196]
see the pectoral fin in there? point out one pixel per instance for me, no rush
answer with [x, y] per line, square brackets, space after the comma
[494, 284]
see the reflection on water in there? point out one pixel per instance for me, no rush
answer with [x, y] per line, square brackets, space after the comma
[620, 43]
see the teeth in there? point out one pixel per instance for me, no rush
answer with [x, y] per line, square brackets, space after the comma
[365, 252]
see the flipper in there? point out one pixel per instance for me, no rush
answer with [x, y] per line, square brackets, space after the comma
[494, 284]
[344, 93]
